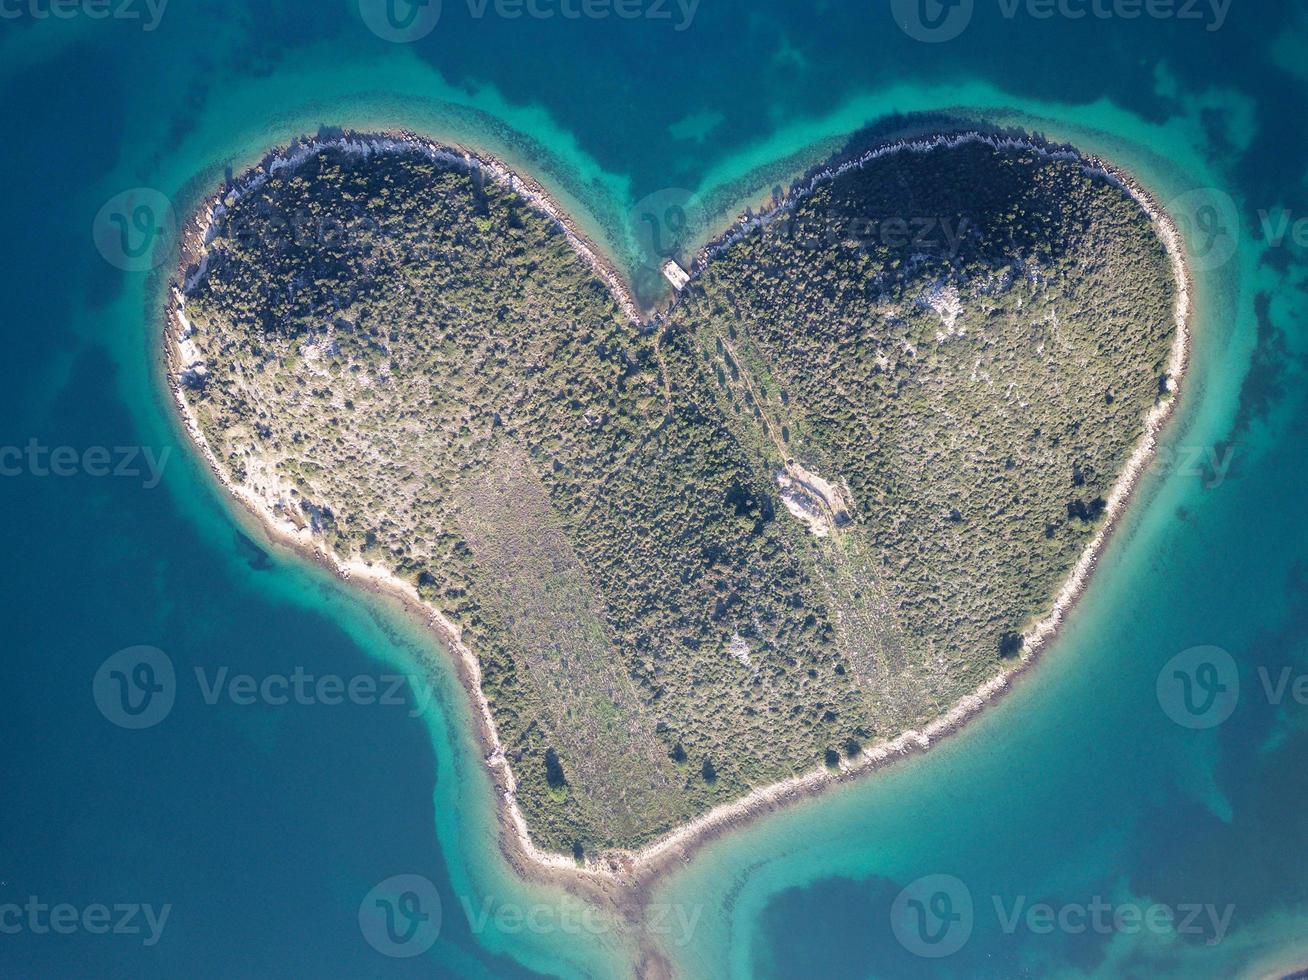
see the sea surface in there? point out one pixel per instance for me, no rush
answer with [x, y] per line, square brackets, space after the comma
[1094, 823]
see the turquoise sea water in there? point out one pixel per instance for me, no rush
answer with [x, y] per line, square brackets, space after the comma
[263, 827]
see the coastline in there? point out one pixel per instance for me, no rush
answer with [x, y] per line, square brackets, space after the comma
[625, 876]
[1295, 971]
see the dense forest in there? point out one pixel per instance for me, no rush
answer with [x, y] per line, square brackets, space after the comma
[413, 361]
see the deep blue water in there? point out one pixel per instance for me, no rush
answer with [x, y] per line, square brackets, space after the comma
[264, 827]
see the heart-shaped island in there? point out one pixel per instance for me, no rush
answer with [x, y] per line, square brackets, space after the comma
[807, 516]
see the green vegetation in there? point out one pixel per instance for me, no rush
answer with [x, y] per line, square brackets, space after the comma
[969, 339]
[415, 363]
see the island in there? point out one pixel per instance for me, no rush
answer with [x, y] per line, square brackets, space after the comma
[807, 516]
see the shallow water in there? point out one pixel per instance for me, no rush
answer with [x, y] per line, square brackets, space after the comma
[264, 826]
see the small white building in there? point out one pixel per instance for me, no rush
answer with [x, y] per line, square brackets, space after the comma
[676, 275]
